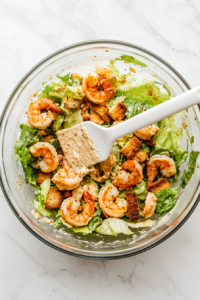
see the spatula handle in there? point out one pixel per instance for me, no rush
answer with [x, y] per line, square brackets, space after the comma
[155, 114]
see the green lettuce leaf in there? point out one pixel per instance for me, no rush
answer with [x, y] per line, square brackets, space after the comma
[41, 193]
[84, 230]
[130, 59]
[74, 119]
[28, 137]
[57, 123]
[55, 143]
[96, 221]
[45, 186]
[141, 191]
[191, 167]
[123, 81]
[113, 226]
[166, 200]
[135, 107]
[147, 92]
[69, 80]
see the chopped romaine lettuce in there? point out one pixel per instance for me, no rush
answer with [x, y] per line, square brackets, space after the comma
[83, 230]
[141, 191]
[57, 123]
[55, 143]
[191, 167]
[113, 226]
[42, 210]
[114, 101]
[45, 186]
[144, 147]
[116, 151]
[135, 107]
[72, 120]
[122, 80]
[28, 137]
[164, 86]
[147, 92]
[130, 59]
[166, 200]
[122, 141]
[70, 80]
[96, 221]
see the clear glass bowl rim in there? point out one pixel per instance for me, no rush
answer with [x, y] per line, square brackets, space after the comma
[85, 43]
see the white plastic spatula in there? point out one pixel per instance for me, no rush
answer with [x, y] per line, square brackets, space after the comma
[104, 138]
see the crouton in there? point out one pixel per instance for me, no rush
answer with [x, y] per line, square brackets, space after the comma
[103, 112]
[86, 109]
[48, 138]
[159, 185]
[150, 142]
[131, 147]
[54, 198]
[96, 118]
[117, 112]
[133, 206]
[140, 155]
[66, 194]
[42, 177]
[73, 103]
[60, 157]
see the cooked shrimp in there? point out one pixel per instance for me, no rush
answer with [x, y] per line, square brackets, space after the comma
[66, 178]
[125, 180]
[89, 187]
[39, 119]
[106, 167]
[50, 159]
[97, 89]
[106, 73]
[111, 205]
[149, 205]
[147, 132]
[164, 162]
[71, 208]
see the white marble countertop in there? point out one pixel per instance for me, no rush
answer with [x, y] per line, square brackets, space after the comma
[31, 30]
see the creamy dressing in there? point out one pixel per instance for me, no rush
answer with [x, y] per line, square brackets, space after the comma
[78, 149]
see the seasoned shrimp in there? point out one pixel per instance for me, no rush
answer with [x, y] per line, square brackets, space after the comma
[106, 73]
[125, 180]
[71, 208]
[111, 205]
[97, 89]
[50, 159]
[147, 132]
[39, 119]
[149, 205]
[164, 162]
[89, 187]
[66, 178]
[106, 167]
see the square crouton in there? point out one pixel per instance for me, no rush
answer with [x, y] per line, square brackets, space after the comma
[103, 112]
[73, 103]
[140, 155]
[117, 112]
[159, 185]
[54, 198]
[66, 194]
[133, 206]
[48, 138]
[42, 177]
[96, 118]
[131, 147]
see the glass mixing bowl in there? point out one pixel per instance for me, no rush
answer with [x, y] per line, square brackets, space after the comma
[86, 56]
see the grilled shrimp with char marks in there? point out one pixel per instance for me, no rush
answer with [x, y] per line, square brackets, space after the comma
[66, 178]
[164, 163]
[111, 205]
[50, 159]
[39, 119]
[125, 180]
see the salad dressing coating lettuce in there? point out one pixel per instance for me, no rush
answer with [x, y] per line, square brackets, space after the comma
[166, 200]
[112, 226]
[130, 59]
[41, 193]
[28, 137]
[191, 168]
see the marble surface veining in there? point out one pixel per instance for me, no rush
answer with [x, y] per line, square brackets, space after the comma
[31, 30]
